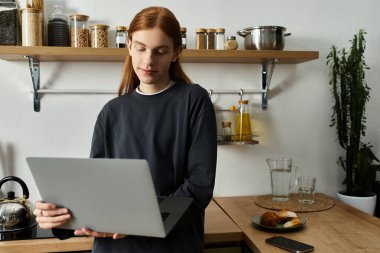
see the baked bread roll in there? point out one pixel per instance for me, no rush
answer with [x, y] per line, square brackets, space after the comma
[269, 219]
[293, 222]
[285, 216]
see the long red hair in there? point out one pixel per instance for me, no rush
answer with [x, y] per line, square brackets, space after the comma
[149, 18]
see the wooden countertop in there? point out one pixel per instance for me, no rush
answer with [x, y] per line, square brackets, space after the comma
[339, 229]
[229, 219]
[219, 228]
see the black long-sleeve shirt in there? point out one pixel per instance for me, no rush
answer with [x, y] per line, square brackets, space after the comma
[175, 131]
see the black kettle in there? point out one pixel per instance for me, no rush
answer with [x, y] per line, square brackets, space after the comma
[15, 212]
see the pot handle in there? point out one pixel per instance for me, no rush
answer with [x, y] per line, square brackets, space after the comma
[25, 190]
[287, 34]
[242, 33]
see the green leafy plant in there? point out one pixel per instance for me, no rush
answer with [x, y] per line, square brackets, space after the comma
[351, 94]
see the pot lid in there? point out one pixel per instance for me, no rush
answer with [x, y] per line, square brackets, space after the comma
[267, 27]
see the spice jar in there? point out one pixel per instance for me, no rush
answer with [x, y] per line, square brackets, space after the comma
[58, 28]
[121, 36]
[79, 30]
[183, 35]
[31, 23]
[231, 43]
[99, 36]
[8, 23]
[220, 39]
[201, 38]
[243, 123]
[227, 131]
[210, 38]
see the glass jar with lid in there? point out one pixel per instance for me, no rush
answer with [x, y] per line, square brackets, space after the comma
[201, 38]
[184, 39]
[210, 39]
[121, 36]
[231, 43]
[8, 23]
[31, 24]
[99, 36]
[219, 45]
[79, 30]
[58, 28]
[227, 131]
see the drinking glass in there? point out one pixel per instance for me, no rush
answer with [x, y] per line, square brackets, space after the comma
[306, 189]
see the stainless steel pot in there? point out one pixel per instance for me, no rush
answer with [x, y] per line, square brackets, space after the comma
[264, 37]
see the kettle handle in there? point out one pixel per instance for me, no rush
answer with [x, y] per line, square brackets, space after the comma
[25, 190]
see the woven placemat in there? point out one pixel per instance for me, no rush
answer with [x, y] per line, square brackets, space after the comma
[321, 202]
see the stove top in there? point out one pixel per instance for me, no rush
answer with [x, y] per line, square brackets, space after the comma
[43, 233]
[26, 234]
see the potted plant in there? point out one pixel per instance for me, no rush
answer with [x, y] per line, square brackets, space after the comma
[351, 94]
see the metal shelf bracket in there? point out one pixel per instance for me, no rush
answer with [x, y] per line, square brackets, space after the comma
[266, 76]
[34, 66]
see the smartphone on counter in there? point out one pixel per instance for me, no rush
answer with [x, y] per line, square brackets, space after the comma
[289, 244]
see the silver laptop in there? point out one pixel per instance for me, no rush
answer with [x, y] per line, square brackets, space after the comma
[107, 195]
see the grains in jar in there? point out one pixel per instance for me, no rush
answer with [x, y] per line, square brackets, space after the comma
[211, 38]
[201, 38]
[79, 30]
[99, 36]
[31, 23]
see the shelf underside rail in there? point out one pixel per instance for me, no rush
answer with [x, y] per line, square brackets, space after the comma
[76, 91]
[239, 92]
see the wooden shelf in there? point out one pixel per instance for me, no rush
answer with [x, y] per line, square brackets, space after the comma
[232, 142]
[46, 54]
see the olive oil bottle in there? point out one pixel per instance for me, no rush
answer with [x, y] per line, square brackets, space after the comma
[243, 123]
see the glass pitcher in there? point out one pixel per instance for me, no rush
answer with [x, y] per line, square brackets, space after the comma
[282, 173]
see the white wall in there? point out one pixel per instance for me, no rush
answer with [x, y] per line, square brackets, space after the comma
[296, 124]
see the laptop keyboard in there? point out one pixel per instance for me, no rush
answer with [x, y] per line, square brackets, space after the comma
[164, 216]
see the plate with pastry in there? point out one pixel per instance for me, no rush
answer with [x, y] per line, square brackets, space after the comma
[284, 220]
